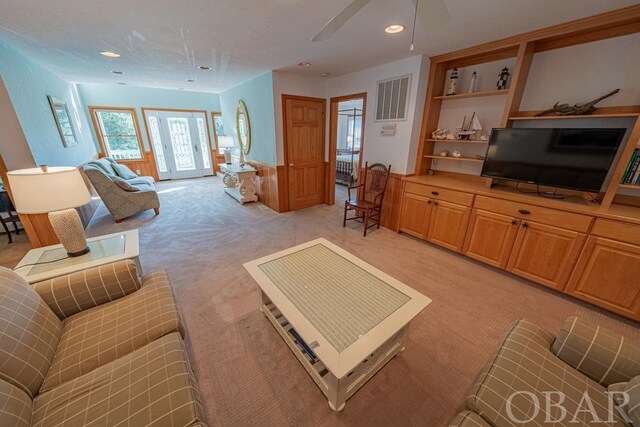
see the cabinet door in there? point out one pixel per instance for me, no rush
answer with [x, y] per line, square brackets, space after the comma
[608, 275]
[545, 254]
[490, 237]
[415, 214]
[448, 225]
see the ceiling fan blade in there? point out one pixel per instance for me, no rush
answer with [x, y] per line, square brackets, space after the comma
[339, 20]
[432, 14]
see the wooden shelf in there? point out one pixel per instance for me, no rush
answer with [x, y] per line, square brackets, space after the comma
[474, 94]
[630, 186]
[460, 159]
[465, 141]
[585, 116]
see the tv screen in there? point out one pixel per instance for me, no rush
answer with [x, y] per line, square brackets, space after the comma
[558, 157]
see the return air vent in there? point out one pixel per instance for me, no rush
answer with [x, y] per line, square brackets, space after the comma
[392, 98]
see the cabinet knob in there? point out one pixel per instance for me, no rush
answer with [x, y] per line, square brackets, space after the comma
[525, 225]
[435, 203]
[514, 222]
[428, 202]
[435, 193]
[524, 212]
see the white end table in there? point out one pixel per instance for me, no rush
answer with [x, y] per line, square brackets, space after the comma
[52, 261]
[243, 175]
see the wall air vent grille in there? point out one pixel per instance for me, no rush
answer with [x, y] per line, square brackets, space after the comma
[392, 98]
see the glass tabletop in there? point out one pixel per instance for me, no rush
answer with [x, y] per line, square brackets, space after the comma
[340, 299]
[53, 259]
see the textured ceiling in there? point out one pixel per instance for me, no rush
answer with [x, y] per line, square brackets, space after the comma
[162, 41]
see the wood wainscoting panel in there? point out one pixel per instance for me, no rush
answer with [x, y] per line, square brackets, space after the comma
[266, 183]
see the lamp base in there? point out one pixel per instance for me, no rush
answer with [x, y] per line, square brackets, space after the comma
[68, 227]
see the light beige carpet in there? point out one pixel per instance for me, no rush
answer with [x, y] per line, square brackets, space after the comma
[248, 376]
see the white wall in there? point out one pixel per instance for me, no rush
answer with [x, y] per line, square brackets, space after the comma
[293, 84]
[399, 150]
[14, 147]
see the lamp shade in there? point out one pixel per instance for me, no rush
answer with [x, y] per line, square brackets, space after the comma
[59, 188]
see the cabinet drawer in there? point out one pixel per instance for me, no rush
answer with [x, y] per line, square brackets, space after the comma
[567, 220]
[453, 196]
[616, 230]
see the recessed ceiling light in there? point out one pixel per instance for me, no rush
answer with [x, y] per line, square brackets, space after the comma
[325, 74]
[122, 83]
[304, 64]
[204, 67]
[110, 54]
[190, 81]
[180, 88]
[118, 72]
[393, 29]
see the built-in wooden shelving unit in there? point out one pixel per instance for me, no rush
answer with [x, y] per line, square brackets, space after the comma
[459, 159]
[462, 141]
[630, 186]
[522, 48]
[473, 94]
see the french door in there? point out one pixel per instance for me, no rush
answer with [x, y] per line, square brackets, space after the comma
[180, 143]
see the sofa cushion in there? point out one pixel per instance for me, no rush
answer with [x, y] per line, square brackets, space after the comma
[99, 335]
[523, 369]
[123, 171]
[15, 406]
[468, 419]
[105, 165]
[144, 180]
[124, 184]
[153, 385]
[603, 355]
[632, 408]
[30, 333]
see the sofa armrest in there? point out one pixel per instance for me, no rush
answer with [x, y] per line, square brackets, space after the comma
[468, 419]
[72, 293]
[602, 355]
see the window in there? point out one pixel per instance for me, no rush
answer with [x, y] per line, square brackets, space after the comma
[204, 142]
[393, 95]
[357, 132]
[222, 139]
[118, 131]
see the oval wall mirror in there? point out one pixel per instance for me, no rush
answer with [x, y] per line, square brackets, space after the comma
[243, 127]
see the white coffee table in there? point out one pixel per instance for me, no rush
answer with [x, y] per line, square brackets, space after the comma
[52, 261]
[348, 318]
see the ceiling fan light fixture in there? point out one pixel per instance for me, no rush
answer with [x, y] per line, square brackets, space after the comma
[394, 29]
[304, 64]
[110, 54]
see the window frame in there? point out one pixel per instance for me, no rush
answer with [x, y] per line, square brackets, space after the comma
[101, 137]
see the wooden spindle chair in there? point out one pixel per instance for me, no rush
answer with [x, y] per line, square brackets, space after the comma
[367, 202]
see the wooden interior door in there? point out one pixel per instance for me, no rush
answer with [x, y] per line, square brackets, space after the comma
[490, 237]
[304, 149]
[545, 254]
[448, 225]
[414, 219]
[607, 275]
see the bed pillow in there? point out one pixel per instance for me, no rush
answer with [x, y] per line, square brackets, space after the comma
[123, 171]
[124, 184]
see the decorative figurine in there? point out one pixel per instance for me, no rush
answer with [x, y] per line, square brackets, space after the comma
[456, 154]
[576, 109]
[444, 153]
[440, 134]
[467, 129]
[484, 137]
[502, 79]
[453, 81]
[450, 136]
[472, 84]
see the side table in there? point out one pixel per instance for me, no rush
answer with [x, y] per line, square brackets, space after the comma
[243, 175]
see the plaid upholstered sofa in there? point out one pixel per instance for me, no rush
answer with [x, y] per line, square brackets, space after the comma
[536, 379]
[99, 347]
[122, 196]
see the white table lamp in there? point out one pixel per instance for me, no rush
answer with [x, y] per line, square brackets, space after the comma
[56, 191]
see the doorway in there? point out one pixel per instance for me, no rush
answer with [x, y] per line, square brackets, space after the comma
[304, 130]
[346, 144]
[180, 143]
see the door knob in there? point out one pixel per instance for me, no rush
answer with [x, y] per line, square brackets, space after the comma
[195, 147]
[291, 165]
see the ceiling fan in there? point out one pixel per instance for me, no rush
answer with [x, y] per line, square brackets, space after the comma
[431, 14]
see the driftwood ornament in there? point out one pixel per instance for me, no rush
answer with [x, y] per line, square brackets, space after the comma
[577, 109]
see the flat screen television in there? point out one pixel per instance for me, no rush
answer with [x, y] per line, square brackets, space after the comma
[578, 159]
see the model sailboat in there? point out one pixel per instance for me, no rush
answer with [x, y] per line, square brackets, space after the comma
[467, 129]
